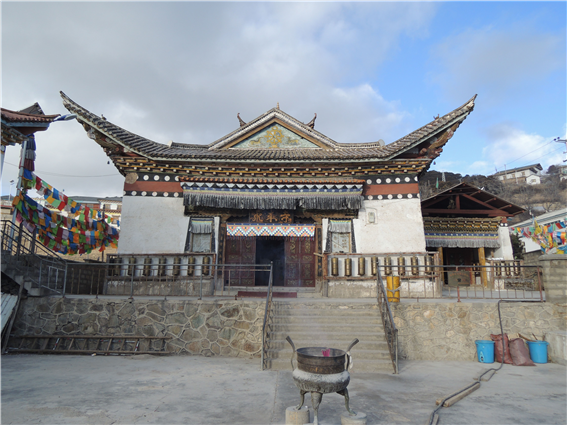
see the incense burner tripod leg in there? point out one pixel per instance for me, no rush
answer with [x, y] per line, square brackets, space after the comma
[345, 394]
[315, 402]
[301, 399]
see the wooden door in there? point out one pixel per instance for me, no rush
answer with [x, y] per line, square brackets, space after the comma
[299, 262]
[240, 251]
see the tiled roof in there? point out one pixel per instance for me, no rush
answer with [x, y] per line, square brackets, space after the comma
[34, 109]
[513, 170]
[332, 150]
[271, 181]
[17, 117]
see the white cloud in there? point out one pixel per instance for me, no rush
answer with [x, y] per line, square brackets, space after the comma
[511, 147]
[182, 70]
[497, 62]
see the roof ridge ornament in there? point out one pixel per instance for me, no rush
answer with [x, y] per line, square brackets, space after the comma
[242, 123]
[311, 123]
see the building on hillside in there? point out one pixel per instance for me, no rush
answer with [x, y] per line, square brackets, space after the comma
[530, 174]
[19, 126]
[273, 190]
[468, 226]
[6, 207]
[551, 237]
[562, 171]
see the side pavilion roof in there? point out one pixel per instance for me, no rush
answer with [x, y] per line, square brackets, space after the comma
[321, 148]
[468, 201]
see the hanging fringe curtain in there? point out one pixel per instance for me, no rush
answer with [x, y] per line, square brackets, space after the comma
[340, 226]
[460, 241]
[201, 226]
[331, 202]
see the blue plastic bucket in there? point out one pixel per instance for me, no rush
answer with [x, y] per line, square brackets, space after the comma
[538, 351]
[485, 351]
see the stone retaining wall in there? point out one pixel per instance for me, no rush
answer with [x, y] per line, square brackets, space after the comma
[227, 328]
[427, 330]
[448, 331]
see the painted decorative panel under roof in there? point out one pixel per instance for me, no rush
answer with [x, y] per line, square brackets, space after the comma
[275, 137]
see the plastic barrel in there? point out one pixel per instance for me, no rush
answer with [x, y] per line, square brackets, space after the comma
[485, 351]
[538, 351]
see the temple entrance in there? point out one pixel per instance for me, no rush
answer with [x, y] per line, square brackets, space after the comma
[300, 262]
[291, 248]
[270, 250]
[460, 257]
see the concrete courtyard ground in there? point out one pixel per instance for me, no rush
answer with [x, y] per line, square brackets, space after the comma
[60, 389]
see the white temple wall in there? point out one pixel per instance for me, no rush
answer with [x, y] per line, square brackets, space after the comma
[505, 251]
[152, 225]
[397, 227]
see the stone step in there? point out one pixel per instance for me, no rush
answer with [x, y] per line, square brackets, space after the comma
[338, 319]
[367, 344]
[356, 353]
[325, 312]
[379, 366]
[320, 337]
[322, 327]
[338, 307]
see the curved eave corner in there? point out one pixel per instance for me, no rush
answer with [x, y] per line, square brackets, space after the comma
[432, 129]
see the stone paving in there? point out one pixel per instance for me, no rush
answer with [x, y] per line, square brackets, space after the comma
[200, 390]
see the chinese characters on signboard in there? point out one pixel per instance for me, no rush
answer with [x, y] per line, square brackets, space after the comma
[271, 216]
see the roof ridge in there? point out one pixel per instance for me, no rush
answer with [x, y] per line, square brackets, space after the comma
[117, 136]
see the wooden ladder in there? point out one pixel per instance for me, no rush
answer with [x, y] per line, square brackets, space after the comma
[83, 344]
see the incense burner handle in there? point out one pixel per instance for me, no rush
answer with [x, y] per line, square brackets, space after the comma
[288, 339]
[349, 361]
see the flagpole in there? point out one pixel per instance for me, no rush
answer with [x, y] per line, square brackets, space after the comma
[18, 187]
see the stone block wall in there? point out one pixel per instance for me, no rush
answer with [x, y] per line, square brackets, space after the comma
[227, 328]
[427, 330]
[448, 331]
[554, 277]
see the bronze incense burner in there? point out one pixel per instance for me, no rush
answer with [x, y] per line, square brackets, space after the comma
[321, 370]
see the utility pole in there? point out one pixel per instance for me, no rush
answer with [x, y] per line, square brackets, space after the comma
[103, 215]
[559, 140]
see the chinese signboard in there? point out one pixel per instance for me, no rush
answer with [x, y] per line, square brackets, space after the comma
[271, 216]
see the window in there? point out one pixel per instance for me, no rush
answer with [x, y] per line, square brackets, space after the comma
[200, 236]
[339, 236]
[340, 242]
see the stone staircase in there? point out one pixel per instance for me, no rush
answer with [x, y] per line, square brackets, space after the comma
[26, 270]
[328, 323]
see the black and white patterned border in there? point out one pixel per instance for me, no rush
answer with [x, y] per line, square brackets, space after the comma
[391, 179]
[391, 197]
[153, 194]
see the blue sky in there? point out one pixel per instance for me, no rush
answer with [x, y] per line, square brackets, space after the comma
[182, 71]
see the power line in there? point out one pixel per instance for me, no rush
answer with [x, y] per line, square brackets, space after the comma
[66, 175]
[548, 153]
[508, 163]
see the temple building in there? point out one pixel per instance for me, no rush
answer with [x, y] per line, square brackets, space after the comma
[468, 226]
[273, 190]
